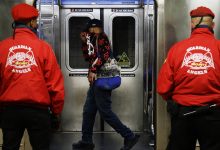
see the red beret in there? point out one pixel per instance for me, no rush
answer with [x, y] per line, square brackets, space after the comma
[202, 11]
[23, 11]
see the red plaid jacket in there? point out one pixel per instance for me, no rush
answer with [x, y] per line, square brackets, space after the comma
[96, 50]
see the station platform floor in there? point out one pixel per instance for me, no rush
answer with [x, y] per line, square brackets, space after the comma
[102, 141]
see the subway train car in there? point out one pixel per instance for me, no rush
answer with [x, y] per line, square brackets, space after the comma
[141, 33]
[124, 23]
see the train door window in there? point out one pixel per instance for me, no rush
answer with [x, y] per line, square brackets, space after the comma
[76, 25]
[124, 40]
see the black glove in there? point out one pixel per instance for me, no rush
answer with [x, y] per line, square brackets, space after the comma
[55, 122]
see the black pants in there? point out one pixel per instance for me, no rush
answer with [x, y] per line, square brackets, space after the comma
[204, 127]
[15, 119]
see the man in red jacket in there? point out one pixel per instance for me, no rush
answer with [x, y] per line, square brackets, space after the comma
[190, 77]
[31, 83]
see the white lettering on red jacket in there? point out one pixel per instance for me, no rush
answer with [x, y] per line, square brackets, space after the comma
[20, 58]
[198, 59]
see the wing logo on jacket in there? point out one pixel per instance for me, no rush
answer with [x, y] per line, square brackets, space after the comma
[198, 59]
[21, 58]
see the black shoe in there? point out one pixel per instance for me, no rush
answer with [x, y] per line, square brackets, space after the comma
[129, 143]
[83, 146]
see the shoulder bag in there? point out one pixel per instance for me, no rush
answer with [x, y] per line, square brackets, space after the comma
[109, 75]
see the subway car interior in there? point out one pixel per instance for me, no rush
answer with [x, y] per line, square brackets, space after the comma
[140, 33]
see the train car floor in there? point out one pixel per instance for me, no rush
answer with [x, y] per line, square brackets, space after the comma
[102, 141]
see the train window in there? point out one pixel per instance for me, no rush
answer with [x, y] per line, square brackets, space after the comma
[124, 40]
[76, 25]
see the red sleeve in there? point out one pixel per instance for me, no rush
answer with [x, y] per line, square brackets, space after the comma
[104, 50]
[54, 81]
[165, 79]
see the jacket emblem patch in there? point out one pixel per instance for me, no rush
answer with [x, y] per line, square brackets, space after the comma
[198, 59]
[21, 58]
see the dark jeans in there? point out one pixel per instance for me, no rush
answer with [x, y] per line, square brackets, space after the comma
[101, 100]
[15, 119]
[204, 127]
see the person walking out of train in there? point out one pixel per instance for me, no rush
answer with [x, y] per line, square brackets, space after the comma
[190, 82]
[95, 42]
[31, 83]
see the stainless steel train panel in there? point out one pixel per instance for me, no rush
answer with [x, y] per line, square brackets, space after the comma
[149, 63]
[49, 27]
[124, 27]
[74, 67]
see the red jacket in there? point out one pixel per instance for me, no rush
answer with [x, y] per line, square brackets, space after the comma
[191, 73]
[29, 72]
